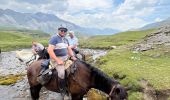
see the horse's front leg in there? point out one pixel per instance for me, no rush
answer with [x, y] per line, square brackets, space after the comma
[35, 91]
[77, 97]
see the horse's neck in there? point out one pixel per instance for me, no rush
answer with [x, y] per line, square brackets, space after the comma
[102, 82]
[98, 79]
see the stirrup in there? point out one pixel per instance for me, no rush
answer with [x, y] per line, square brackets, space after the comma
[45, 71]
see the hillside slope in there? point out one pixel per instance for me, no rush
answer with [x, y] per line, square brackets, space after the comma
[107, 41]
[12, 39]
[140, 62]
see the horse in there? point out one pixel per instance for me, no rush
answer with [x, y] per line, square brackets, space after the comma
[79, 83]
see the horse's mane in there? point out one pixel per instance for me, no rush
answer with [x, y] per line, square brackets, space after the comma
[102, 80]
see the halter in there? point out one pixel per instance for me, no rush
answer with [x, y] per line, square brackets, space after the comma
[113, 88]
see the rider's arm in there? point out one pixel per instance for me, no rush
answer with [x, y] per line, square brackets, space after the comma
[75, 43]
[70, 53]
[52, 54]
[33, 50]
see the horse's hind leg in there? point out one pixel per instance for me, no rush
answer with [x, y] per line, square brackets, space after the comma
[35, 91]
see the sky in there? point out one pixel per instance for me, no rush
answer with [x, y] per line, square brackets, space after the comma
[116, 14]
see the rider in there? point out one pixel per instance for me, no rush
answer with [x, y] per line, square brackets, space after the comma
[73, 42]
[37, 49]
[59, 51]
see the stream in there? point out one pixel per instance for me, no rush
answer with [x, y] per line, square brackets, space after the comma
[13, 62]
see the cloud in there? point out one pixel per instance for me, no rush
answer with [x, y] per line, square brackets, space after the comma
[122, 14]
[132, 7]
[158, 19]
[88, 6]
[35, 2]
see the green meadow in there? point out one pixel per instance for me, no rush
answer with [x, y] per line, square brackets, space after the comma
[105, 41]
[17, 39]
[132, 67]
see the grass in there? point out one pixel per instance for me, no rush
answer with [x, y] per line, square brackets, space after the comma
[131, 67]
[95, 95]
[138, 66]
[10, 79]
[106, 41]
[12, 40]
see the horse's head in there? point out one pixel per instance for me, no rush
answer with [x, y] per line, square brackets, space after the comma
[118, 93]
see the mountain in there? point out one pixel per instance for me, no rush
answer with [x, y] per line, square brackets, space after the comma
[157, 24]
[45, 22]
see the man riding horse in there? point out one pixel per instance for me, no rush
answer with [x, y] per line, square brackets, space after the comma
[79, 81]
[59, 51]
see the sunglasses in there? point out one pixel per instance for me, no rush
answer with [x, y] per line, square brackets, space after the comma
[63, 30]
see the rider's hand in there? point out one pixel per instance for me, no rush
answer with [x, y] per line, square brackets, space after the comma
[74, 46]
[73, 58]
[60, 62]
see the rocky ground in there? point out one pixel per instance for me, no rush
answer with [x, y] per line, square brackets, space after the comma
[151, 41]
[14, 62]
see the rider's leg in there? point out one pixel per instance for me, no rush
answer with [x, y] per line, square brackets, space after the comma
[61, 74]
[44, 66]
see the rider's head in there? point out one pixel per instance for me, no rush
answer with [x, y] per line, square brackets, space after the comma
[34, 42]
[71, 34]
[62, 31]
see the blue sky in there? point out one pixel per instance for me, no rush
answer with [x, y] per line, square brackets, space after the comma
[116, 14]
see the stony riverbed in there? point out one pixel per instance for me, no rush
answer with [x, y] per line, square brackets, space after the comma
[14, 62]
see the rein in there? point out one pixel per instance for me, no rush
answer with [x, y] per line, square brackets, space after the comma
[32, 59]
[113, 88]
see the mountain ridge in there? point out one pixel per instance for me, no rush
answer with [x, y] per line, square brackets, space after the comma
[45, 22]
[157, 24]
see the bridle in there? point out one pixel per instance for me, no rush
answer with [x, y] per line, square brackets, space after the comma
[113, 88]
[111, 91]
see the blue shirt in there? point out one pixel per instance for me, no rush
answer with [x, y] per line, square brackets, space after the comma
[61, 44]
[72, 41]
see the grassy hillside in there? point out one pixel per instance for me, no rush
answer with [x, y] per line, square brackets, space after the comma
[15, 39]
[106, 41]
[132, 67]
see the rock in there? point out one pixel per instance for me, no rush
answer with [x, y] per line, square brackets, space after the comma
[160, 37]
[24, 55]
[113, 47]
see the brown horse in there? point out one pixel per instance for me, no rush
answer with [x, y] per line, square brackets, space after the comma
[84, 78]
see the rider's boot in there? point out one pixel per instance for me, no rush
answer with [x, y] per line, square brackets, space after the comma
[62, 87]
[42, 70]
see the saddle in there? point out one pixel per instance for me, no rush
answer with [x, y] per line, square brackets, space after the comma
[45, 76]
